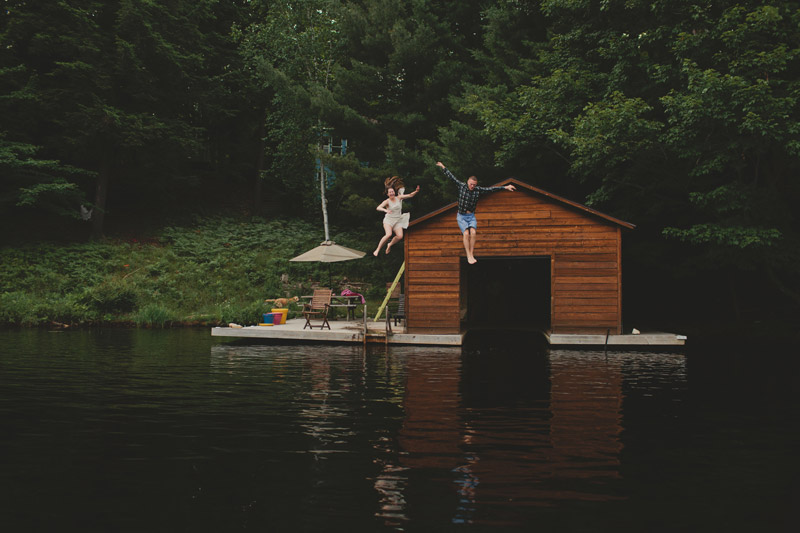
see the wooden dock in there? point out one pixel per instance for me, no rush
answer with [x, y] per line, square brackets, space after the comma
[341, 331]
[353, 332]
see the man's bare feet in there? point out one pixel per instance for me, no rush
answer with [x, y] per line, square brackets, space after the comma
[388, 247]
[471, 260]
[375, 253]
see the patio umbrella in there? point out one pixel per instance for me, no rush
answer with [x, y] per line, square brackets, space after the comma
[329, 252]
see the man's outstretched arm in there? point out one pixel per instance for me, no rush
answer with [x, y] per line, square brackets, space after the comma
[448, 173]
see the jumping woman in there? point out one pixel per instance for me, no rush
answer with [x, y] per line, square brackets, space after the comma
[395, 221]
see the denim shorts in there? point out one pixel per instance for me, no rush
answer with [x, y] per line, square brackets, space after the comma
[466, 221]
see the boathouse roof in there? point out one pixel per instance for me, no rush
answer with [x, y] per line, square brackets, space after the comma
[537, 191]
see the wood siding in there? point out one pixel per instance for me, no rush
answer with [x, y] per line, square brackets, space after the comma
[585, 252]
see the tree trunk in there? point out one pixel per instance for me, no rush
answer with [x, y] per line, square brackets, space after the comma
[100, 195]
[258, 188]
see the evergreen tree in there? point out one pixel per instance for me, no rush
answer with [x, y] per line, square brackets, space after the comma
[678, 115]
[116, 89]
[32, 181]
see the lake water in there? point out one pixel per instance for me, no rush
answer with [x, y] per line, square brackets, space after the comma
[137, 430]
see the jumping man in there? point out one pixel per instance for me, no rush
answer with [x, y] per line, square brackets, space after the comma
[468, 195]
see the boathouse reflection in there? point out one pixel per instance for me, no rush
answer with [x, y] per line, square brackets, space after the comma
[462, 427]
[441, 435]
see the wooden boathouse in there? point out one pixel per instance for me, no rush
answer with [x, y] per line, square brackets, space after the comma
[544, 262]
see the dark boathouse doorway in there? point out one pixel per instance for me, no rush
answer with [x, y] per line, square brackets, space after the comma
[506, 293]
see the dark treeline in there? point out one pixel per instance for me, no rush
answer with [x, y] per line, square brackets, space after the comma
[678, 116]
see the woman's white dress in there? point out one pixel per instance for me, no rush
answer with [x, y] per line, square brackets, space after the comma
[395, 215]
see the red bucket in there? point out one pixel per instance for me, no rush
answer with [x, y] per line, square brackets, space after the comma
[279, 316]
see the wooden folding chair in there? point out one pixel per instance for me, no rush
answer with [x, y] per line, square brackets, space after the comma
[318, 308]
[397, 303]
[400, 314]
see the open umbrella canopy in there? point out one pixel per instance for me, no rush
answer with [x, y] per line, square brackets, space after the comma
[329, 252]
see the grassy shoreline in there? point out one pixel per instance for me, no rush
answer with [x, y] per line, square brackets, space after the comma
[214, 271]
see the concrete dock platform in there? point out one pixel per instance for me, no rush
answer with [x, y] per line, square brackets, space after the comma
[639, 339]
[353, 332]
[341, 331]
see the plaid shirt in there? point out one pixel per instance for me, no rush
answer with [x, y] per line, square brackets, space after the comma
[468, 199]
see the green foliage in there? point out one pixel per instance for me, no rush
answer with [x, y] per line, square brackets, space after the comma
[29, 181]
[18, 308]
[609, 134]
[728, 198]
[127, 93]
[21, 308]
[112, 296]
[153, 315]
[246, 313]
[735, 237]
[294, 42]
[216, 271]
[290, 50]
[678, 115]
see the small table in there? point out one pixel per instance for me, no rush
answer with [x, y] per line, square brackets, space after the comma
[348, 302]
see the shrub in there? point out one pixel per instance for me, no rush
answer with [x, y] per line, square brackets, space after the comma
[153, 315]
[112, 296]
[68, 309]
[18, 308]
[245, 314]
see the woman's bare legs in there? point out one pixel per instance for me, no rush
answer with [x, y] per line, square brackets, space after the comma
[385, 238]
[398, 236]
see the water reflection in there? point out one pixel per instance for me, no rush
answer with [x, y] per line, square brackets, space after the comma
[209, 436]
[490, 432]
[118, 430]
[473, 436]
[586, 406]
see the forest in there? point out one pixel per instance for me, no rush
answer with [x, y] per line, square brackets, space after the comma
[121, 120]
